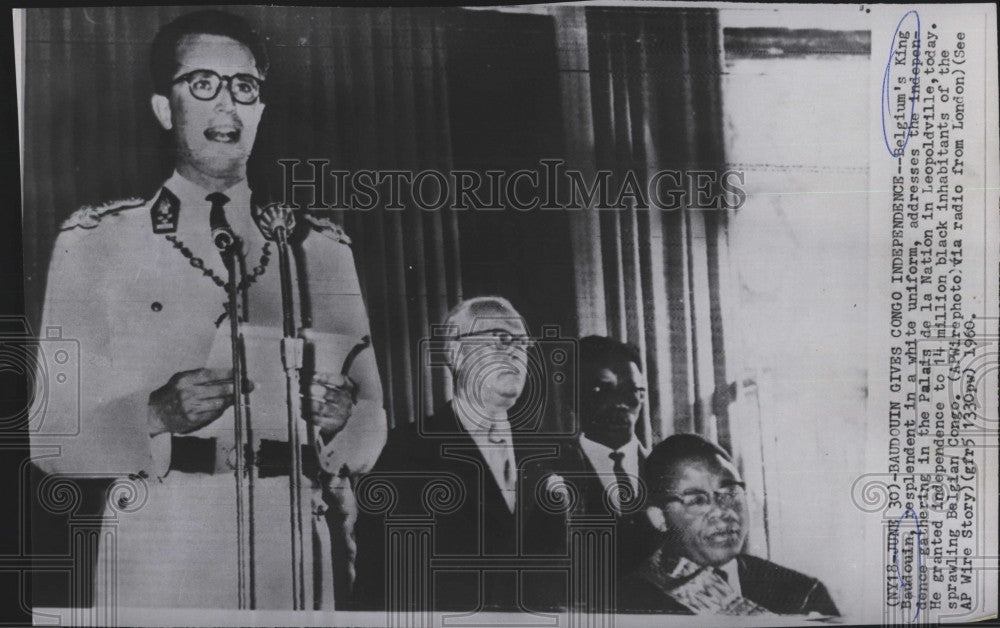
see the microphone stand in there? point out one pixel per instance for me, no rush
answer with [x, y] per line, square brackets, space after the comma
[276, 223]
[228, 247]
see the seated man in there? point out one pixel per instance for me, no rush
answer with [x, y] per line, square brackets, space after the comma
[697, 499]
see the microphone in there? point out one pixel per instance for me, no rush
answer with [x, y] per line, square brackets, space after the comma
[275, 220]
[222, 234]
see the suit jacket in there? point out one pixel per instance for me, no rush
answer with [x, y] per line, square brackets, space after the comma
[432, 478]
[776, 588]
[635, 538]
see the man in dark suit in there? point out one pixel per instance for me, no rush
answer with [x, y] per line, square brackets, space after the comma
[447, 486]
[599, 471]
[697, 499]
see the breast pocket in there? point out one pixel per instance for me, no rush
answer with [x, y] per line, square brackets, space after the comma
[159, 329]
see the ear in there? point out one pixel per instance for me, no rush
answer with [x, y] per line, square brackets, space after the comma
[161, 109]
[656, 518]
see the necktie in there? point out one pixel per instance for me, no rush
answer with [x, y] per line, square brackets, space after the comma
[224, 238]
[217, 199]
[495, 438]
[217, 217]
[708, 591]
[501, 452]
[625, 492]
[222, 234]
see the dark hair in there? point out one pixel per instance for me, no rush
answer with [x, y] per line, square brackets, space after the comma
[601, 350]
[673, 450]
[163, 56]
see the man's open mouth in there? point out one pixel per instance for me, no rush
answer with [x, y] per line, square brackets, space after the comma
[227, 134]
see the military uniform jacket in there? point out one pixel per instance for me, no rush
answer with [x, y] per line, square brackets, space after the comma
[123, 291]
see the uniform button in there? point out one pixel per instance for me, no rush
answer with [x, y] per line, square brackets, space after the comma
[156, 306]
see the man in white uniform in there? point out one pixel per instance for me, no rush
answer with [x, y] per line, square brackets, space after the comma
[141, 286]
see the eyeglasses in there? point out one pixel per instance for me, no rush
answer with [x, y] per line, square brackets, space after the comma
[502, 339]
[205, 85]
[700, 502]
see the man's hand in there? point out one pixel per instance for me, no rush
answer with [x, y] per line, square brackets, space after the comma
[190, 400]
[329, 401]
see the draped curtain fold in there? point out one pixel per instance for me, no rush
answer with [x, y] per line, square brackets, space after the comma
[655, 105]
[389, 98]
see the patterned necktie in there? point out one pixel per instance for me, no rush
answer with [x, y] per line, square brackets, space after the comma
[508, 487]
[625, 491]
[704, 590]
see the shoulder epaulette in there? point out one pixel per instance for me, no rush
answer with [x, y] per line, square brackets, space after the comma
[88, 217]
[327, 227]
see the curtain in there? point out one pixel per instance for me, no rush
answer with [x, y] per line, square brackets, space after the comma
[666, 278]
[386, 103]
[655, 105]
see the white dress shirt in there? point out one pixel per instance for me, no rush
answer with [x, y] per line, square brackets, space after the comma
[600, 458]
[496, 445]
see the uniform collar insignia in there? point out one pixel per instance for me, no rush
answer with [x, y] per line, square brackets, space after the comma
[164, 212]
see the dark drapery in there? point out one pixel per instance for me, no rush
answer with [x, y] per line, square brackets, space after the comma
[655, 99]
